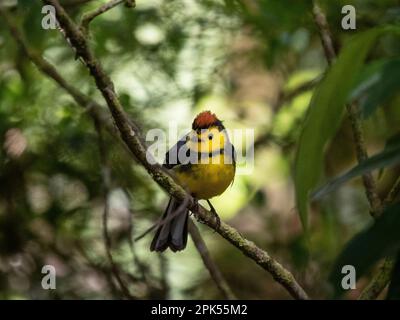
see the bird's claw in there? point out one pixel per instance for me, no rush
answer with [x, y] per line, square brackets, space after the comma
[196, 209]
[217, 219]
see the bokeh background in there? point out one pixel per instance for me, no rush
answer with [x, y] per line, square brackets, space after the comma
[255, 64]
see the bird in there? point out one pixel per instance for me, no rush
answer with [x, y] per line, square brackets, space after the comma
[204, 162]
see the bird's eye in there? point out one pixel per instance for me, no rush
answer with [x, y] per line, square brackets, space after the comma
[210, 136]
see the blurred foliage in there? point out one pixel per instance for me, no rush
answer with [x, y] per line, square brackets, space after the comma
[389, 157]
[169, 60]
[378, 241]
[377, 82]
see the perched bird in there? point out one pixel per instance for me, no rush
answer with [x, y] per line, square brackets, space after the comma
[203, 162]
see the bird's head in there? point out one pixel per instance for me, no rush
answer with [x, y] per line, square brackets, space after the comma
[208, 133]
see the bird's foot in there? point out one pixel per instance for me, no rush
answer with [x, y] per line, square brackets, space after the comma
[217, 220]
[196, 208]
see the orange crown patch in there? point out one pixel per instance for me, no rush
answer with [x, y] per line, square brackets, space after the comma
[205, 120]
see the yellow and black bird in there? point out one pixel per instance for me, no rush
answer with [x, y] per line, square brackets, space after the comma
[203, 161]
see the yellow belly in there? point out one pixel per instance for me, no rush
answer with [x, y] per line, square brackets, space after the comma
[205, 181]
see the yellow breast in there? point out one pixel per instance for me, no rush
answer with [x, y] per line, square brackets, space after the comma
[206, 180]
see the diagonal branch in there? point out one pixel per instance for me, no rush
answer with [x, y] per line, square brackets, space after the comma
[212, 268]
[131, 135]
[353, 113]
[379, 282]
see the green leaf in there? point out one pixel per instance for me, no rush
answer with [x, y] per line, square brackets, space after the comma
[377, 83]
[388, 157]
[325, 114]
[381, 239]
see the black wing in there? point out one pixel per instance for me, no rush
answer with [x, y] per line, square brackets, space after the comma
[174, 155]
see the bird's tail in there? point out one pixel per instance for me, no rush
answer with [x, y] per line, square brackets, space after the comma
[173, 231]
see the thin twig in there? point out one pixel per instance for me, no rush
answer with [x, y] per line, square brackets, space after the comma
[393, 193]
[141, 266]
[212, 268]
[324, 32]
[106, 270]
[379, 282]
[164, 266]
[353, 113]
[283, 98]
[88, 17]
[368, 179]
[132, 137]
[382, 278]
[74, 3]
[106, 178]
[293, 93]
